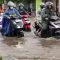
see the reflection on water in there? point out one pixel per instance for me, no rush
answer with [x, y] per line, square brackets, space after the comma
[13, 41]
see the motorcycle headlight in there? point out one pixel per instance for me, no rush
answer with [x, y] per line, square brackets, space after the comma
[46, 18]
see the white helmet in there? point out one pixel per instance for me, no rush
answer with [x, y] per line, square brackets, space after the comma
[42, 3]
[49, 3]
[10, 3]
[21, 4]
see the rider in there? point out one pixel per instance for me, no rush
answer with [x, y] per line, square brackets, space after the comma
[46, 12]
[21, 8]
[42, 6]
[6, 24]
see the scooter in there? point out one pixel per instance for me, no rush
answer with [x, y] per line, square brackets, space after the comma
[53, 27]
[37, 26]
[18, 26]
[26, 21]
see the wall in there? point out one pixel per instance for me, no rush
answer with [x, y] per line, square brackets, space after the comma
[38, 3]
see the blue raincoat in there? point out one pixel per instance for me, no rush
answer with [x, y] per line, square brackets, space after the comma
[7, 28]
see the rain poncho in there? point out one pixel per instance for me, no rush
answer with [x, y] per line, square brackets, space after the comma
[46, 13]
[7, 28]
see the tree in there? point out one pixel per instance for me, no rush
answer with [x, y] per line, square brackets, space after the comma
[17, 1]
[23, 1]
[1, 1]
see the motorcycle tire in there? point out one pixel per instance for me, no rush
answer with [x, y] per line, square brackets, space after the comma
[45, 33]
[21, 34]
[29, 29]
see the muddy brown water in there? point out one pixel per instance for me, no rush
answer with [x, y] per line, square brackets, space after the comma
[30, 47]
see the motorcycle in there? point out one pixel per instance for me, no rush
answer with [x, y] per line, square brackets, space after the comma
[13, 27]
[53, 27]
[26, 21]
[37, 25]
[18, 26]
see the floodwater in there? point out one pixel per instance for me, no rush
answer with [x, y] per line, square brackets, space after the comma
[30, 47]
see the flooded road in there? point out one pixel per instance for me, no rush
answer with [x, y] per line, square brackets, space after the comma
[30, 47]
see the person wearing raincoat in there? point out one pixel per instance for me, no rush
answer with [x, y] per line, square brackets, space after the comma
[47, 12]
[38, 16]
[21, 8]
[7, 29]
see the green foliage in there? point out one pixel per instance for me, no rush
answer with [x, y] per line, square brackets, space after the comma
[0, 58]
[18, 1]
[26, 2]
[1, 1]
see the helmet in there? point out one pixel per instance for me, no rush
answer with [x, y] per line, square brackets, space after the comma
[49, 3]
[42, 5]
[10, 3]
[21, 4]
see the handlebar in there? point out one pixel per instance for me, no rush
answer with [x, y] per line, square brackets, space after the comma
[12, 17]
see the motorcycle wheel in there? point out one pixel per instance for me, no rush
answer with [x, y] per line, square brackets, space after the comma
[21, 34]
[45, 33]
[29, 29]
